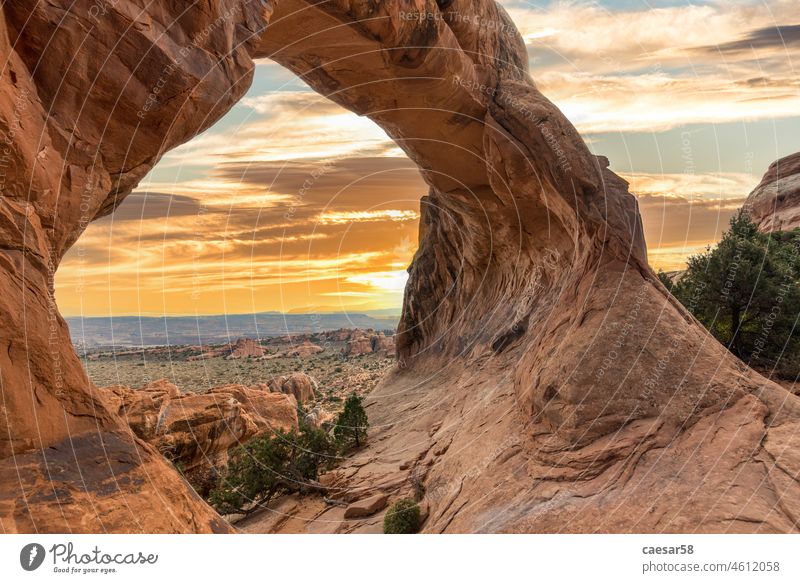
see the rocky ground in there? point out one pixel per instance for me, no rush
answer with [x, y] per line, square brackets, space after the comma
[338, 363]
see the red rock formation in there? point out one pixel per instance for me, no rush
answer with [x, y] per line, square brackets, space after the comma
[547, 381]
[358, 345]
[305, 350]
[774, 205]
[245, 348]
[196, 430]
[91, 95]
[382, 344]
[298, 384]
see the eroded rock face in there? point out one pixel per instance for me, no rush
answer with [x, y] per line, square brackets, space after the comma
[382, 344]
[368, 342]
[546, 381]
[357, 346]
[774, 205]
[91, 95]
[197, 430]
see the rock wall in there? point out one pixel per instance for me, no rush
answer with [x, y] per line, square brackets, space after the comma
[92, 93]
[546, 380]
[774, 205]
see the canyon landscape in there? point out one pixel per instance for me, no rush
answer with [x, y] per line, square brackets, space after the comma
[541, 378]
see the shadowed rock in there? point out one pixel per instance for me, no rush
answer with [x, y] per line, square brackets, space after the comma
[91, 95]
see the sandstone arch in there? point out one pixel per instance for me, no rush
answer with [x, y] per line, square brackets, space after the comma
[550, 383]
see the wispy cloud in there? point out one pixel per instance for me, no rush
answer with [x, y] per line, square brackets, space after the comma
[655, 69]
[288, 125]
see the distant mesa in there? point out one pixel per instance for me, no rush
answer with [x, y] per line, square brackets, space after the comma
[774, 205]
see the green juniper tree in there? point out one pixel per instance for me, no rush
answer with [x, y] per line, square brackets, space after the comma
[352, 423]
[271, 465]
[746, 292]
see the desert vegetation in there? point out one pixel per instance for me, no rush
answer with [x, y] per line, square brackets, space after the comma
[403, 517]
[351, 426]
[287, 462]
[745, 292]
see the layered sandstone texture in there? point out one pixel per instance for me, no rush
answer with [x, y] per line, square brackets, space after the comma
[196, 431]
[546, 381]
[774, 205]
[92, 93]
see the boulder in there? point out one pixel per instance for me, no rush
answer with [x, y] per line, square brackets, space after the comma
[297, 384]
[366, 506]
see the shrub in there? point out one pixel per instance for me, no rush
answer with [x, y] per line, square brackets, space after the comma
[271, 465]
[664, 279]
[403, 517]
[352, 423]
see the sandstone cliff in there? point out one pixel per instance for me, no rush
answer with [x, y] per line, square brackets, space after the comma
[91, 95]
[546, 380]
[774, 205]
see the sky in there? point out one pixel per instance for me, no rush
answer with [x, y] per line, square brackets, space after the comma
[290, 203]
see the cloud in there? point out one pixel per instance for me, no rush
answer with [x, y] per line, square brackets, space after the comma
[701, 187]
[654, 69]
[340, 218]
[257, 240]
[659, 102]
[780, 37]
[287, 125]
[143, 206]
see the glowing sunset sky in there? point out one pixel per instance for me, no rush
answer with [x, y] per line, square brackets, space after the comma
[291, 203]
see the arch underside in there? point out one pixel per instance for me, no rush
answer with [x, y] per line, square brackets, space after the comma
[547, 381]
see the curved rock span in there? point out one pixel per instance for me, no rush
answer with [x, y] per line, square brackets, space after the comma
[546, 381]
